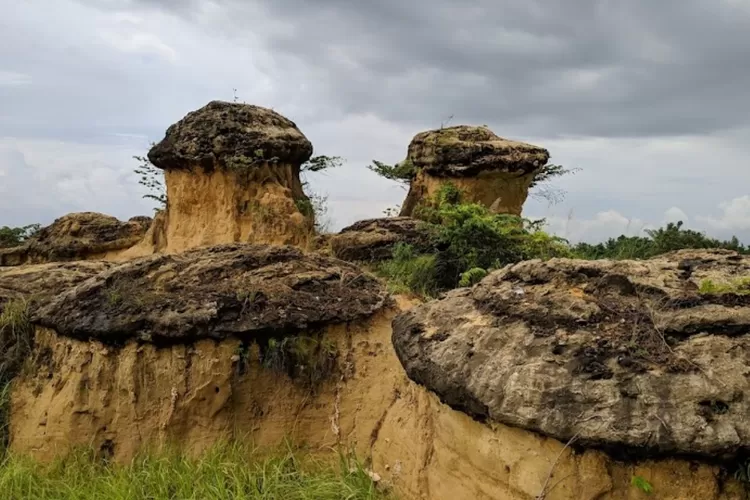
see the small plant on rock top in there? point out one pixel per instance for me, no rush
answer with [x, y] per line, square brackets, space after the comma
[642, 484]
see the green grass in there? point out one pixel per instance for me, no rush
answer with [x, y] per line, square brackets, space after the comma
[226, 472]
[739, 286]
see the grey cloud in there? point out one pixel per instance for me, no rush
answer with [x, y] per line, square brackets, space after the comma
[637, 68]
[649, 98]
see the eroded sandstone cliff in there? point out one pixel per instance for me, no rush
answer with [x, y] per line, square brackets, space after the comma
[264, 343]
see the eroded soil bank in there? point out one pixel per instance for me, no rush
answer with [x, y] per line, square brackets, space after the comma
[118, 399]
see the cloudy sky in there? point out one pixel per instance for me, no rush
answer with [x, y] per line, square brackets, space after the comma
[649, 99]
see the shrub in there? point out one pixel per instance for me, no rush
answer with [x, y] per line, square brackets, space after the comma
[657, 241]
[408, 271]
[466, 237]
[16, 338]
[472, 276]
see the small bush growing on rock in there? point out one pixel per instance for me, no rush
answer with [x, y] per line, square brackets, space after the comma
[466, 237]
[740, 286]
[16, 336]
[409, 271]
[305, 359]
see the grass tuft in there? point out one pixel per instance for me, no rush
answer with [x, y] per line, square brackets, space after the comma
[229, 471]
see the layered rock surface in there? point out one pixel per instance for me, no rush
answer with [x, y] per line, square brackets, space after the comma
[374, 239]
[232, 175]
[187, 364]
[79, 236]
[215, 292]
[628, 356]
[486, 168]
[45, 280]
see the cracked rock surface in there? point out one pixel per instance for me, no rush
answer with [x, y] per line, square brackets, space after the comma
[214, 292]
[640, 358]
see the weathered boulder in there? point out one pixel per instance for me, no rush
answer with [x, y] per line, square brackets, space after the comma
[487, 169]
[629, 356]
[374, 239]
[232, 175]
[215, 292]
[78, 236]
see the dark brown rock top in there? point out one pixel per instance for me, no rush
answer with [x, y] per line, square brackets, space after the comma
[215, 292]
[374, 239]
[230, 135]
[41, 281]
[77, 236]
[635, 357]
[465, 151]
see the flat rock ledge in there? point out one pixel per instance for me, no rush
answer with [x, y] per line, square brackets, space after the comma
[639, 358]
[373, 240]
[214, 292]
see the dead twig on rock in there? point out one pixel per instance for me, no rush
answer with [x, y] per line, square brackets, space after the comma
[543, 494]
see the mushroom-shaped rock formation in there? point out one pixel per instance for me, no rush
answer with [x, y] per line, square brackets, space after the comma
[374, 239]
[635, 357]
[215, 292]
[232, 175]
[78, 236]
[487, 169]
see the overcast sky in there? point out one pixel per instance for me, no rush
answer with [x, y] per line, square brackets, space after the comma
[650, 99]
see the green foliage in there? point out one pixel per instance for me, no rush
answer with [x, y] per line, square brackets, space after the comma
[550, 171]
[17, 236]
[642, 484]
[152, 179]
[16, 340]
[403, 172]
[317, 205]
[472, 276]
[4, 416]
[409, 272]
[739, 286]
[227, 471]
[466, 237]
[656, 242]
[742, 470]
[16, 337]
[305, 359]
[320, 163]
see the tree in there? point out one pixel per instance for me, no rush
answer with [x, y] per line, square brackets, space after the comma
[17, 236]
[153, 179]
[319, 202]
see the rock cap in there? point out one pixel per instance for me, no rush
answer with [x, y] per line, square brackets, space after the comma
[639, 358]
[230, 135]
[465, 151]
[215, 292]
